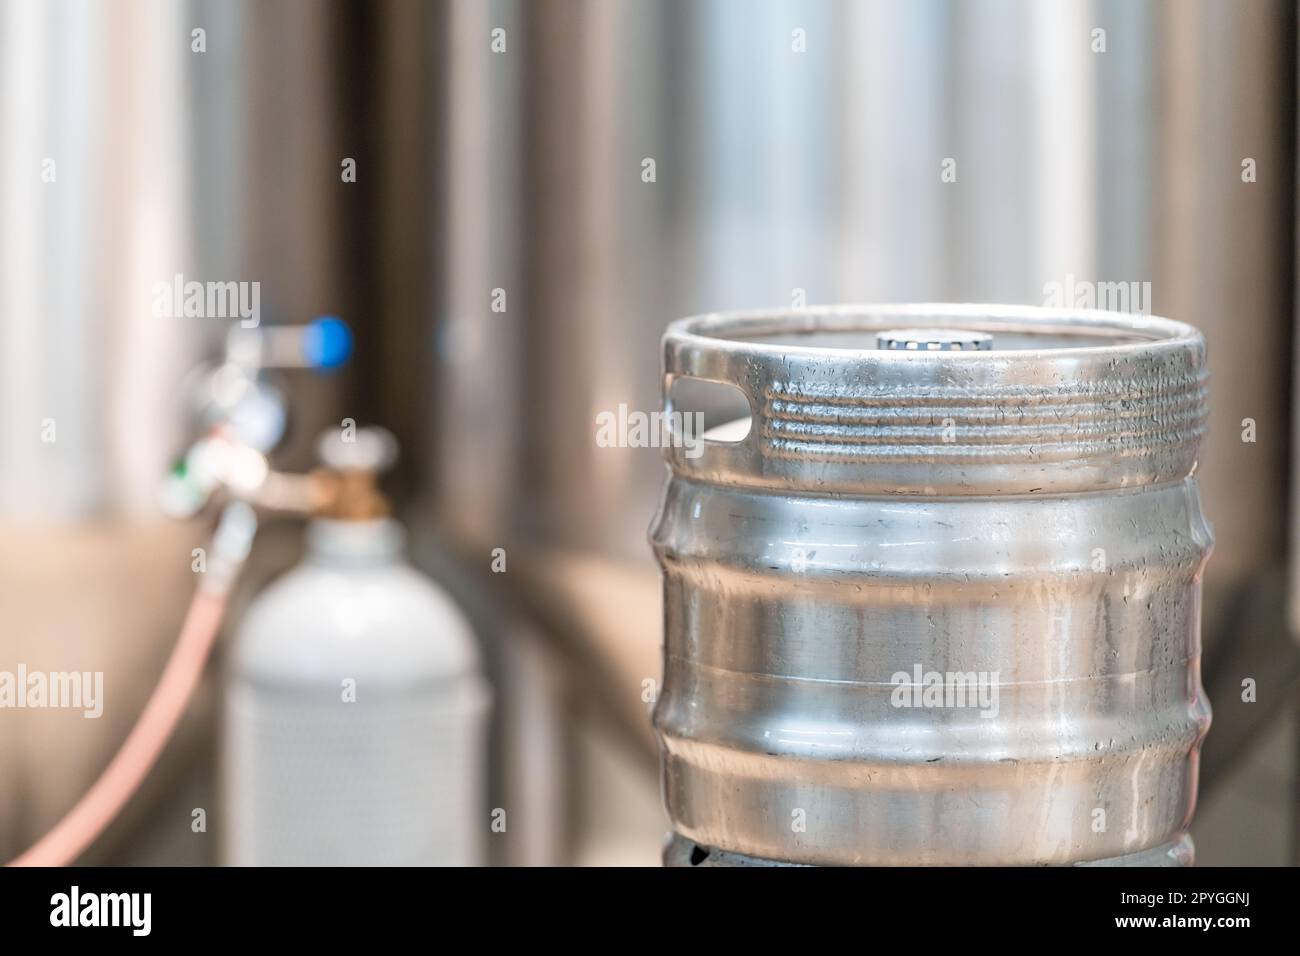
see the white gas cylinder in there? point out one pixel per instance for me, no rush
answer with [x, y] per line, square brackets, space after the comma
[355, 714]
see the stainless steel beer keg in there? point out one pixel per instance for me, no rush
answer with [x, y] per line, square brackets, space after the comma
[941, 604]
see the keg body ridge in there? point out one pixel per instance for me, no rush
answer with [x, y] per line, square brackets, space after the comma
[942, 604]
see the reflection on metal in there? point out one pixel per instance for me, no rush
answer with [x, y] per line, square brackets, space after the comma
[940, 607]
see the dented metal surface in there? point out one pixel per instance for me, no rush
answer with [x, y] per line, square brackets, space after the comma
[939, 607]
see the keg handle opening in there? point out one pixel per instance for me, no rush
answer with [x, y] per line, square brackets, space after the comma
[700, 411]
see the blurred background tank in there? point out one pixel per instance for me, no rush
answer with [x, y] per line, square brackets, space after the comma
[540, 187]
[96, 200]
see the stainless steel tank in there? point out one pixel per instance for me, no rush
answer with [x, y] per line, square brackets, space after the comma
[942, 604]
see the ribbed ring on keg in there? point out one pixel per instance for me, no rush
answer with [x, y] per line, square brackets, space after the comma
[1062, 401]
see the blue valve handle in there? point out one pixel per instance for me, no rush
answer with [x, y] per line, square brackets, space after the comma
[326, 342]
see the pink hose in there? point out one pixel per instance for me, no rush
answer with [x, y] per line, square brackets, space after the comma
[123, 776]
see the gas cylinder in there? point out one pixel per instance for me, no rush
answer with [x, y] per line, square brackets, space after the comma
[941, 603]
[354, 726]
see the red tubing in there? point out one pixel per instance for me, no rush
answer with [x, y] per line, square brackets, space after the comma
[131, 764]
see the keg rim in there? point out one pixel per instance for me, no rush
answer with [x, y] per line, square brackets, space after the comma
[1127, 411]
[730, 328]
